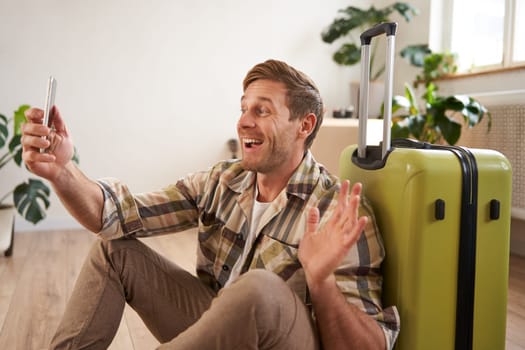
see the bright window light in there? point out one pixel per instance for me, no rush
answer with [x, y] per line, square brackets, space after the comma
[477, 33]
[519, 32]
[485, 34]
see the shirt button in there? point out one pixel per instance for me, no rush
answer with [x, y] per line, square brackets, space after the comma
[225, 267]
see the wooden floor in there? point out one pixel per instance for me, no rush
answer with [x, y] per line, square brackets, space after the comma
[37, 280]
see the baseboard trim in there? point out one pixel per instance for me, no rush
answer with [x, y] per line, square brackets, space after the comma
[517, 237]
[61, 223]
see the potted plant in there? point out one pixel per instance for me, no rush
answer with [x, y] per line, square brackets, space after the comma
[441, 118]
[348, 27]
[434, 64]
[30, 198]
[352, 22]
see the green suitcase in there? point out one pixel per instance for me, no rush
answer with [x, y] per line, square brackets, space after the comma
[444, 213]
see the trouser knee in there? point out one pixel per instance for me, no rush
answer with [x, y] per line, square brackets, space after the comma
[105, 249]
[262, 289]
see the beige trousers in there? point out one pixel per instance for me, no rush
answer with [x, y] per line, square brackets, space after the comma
[258, 311]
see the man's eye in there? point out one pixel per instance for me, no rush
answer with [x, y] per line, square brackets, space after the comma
[262, 111]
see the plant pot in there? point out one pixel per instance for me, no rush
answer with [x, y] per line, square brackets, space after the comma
[376, 96]
[7, 229]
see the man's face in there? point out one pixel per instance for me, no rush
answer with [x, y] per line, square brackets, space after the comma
[269, 140]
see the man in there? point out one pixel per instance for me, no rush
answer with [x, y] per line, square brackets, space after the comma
[287, 258]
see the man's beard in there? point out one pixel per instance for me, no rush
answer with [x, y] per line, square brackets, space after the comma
[266, 165]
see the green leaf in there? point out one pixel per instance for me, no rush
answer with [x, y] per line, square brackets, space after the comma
[454, 103]
[20, 118]
[411, 97]
[406, 10]
[76, 157]
[399, 131]
[4, 132]
[15, 148]
[32, 199]
[347, 55]
[416, 54]
[450, 129]
[400, 103]
[489, 123]
[416, 125]
[339, 28]
[352, 18]
[430, 94]
[436, 65]
[363, 18]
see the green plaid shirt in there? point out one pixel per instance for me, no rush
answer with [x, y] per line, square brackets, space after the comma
[219, 202]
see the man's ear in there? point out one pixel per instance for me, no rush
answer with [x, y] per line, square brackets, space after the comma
[307, 125]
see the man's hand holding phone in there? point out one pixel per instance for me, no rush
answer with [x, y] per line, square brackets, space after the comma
[46, 145]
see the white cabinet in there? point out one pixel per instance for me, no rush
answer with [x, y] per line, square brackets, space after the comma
[335, 134]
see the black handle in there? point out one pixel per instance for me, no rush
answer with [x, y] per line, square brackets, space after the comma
[381, 28]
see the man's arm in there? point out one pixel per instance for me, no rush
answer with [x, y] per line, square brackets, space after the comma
[341, 324]
[81, 196]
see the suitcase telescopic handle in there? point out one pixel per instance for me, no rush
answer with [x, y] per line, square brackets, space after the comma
[366, 37]
[381, 28]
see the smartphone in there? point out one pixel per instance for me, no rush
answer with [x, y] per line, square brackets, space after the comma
[50, 101]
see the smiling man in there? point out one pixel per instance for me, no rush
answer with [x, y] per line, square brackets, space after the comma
[288, 257]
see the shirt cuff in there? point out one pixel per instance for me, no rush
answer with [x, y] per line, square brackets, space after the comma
[120, 215]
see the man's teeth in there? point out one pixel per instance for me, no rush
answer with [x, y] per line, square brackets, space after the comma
[250, 142]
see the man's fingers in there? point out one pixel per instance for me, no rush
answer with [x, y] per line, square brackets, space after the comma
[34, 115]
[33, 157]
[353, 224]
[354, 231]
[57, 120]
[357, 189]
[33, 126]
[34, 142]
[343, 192]
[345, 189]
[312, 221]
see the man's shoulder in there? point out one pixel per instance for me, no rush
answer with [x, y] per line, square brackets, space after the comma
[313, 176]
[231, 173]
[227, 167]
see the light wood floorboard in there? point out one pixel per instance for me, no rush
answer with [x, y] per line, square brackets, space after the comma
[37, 280]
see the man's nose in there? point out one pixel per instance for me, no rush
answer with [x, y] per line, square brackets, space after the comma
[246, 120]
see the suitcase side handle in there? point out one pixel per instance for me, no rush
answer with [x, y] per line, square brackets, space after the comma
[366, 37]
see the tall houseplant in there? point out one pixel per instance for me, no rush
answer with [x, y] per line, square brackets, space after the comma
[352, 22]
[437, 119]
[30, 197]
[434, 65]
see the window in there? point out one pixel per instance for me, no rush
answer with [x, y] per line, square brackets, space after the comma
[518, 52]
[485, 34]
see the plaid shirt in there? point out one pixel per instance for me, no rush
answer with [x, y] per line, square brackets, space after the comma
[219, 201]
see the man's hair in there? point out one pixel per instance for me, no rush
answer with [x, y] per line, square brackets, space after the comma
[302, 97]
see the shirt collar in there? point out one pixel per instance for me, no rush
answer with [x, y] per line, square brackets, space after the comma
[301, 183]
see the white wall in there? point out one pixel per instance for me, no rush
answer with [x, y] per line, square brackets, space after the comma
[150, 89]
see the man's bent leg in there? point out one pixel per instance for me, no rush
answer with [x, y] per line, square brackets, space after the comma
[167, 298]
[258, 311]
